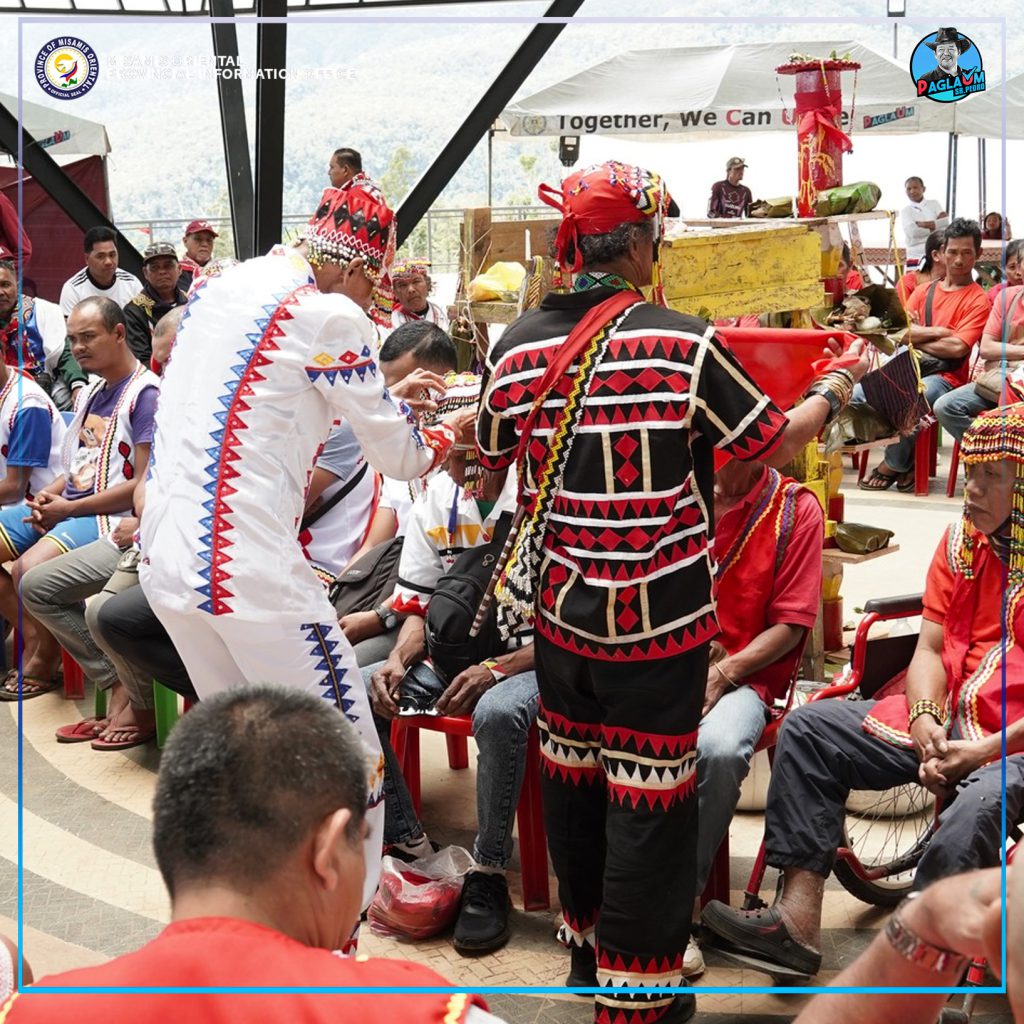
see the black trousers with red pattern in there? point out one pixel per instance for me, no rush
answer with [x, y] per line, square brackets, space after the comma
[618, 748]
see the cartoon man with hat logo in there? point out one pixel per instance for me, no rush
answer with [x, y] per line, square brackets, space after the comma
[948, 47]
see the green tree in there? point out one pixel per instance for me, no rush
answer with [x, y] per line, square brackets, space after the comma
[400, 176]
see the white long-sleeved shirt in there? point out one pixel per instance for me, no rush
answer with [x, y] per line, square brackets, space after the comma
[915, 237]
[262, 367]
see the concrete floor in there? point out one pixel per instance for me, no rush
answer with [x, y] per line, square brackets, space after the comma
[92, 889]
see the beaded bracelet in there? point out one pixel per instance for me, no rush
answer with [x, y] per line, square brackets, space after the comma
[924, 707]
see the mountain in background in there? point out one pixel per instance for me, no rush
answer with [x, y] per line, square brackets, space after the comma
[397, 92]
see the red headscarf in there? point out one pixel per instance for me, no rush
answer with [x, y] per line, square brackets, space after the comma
[599, 199]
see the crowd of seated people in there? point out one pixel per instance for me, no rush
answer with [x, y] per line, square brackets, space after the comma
[71, 504]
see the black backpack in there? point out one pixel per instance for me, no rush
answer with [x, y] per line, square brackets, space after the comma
[454, 604]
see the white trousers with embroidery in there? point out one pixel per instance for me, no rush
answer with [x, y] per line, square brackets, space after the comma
[221, 651]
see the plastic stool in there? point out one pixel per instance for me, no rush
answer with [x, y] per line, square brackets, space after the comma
[74, 678]
[533, 845]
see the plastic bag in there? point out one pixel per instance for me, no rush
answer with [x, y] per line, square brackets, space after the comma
[419, 899]
[500, 283]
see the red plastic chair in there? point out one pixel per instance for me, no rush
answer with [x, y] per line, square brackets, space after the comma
[717, 887]
[533, 845]
[954, 468]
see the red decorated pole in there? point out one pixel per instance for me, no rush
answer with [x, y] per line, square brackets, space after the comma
[821, 141]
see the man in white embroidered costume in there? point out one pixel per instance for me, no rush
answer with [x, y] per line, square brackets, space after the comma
[945, 731]
[268, 356]
[410, 278]
[78, 518]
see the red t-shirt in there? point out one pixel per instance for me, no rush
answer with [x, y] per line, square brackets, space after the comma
[986, 623]
[905, 286]
[219, 952]
[1001, 302]
[753, 592]
[963, 310]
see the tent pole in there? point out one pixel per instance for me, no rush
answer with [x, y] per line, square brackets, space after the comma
[982, 181]
[949, 173]
[954, 148]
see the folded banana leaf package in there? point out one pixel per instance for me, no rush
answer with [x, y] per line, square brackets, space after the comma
[782, 206]
[860, 197]
[856, 424]
[861, 539]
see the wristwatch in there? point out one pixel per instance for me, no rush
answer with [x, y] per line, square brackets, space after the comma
[923, 954]
[388, 618]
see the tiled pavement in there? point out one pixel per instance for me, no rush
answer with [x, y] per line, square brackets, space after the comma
[92, 889]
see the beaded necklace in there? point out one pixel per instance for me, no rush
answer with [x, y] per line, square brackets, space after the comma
[598, 279]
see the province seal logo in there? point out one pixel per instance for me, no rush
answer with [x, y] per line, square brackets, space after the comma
[66, 68]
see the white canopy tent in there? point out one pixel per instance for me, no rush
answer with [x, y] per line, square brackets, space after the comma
[726, 91]
[63, 134]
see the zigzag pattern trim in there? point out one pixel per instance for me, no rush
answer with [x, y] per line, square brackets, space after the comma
[347, 364]
[214, 543]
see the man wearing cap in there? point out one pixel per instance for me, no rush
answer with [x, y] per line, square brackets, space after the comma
[410, 278]
[272, 353]
[944, 731]
[159, 295]
[614, 407]
[199, 236]
[728, 197]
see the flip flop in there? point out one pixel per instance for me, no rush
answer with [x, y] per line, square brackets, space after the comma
[40, 685]
[879, 481]
[905, 482]
[141, 738]
[81, 732]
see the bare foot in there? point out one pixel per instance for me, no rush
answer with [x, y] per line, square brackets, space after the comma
[129, 723]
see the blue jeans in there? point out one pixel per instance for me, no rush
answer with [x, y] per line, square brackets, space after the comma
[501, 727]
[957, 409]
[900, 456]
[725, 744]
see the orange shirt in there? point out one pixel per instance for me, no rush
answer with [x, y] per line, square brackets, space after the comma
[963, 310]
[986, 622]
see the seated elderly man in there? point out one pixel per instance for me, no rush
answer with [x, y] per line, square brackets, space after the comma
[945, 730]
[410, 278]
[768, 539]
[458, 511]
[259, 839]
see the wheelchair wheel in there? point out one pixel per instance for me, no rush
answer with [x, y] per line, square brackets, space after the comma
[884, 838]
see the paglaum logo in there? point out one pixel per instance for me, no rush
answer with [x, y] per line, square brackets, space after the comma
[946, 66]
[66, 68]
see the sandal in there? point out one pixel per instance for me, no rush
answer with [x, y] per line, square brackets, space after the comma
[879, 481]
[81, 732]
[38, 685]
[138, 739]
[905, 482]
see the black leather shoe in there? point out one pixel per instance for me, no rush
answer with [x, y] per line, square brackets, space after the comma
[583, 973]
[482, 924]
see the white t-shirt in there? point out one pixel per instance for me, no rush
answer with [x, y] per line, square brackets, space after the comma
[927, 209]
[124, 288]
[334, 538]
[21, 398]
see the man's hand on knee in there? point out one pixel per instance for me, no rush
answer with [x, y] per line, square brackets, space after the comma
[465, 690]
[384, 685]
